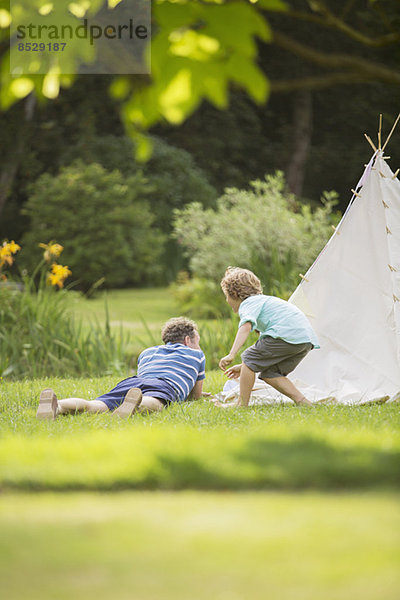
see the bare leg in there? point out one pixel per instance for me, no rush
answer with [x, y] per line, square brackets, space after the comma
[73, 405]
[247, 378]
[286, 387]
[150, 404]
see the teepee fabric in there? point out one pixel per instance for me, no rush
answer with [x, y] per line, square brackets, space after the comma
[351, 295]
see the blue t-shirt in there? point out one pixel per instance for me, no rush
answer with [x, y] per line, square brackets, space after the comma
[277, 318]
[178, 364]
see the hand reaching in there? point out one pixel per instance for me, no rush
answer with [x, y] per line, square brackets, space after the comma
[233, 372]
[225, 361]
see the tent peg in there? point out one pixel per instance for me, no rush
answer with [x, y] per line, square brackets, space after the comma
[356, 193]
[388, 230]
[395, 174]
[304, 278]
[393, 269]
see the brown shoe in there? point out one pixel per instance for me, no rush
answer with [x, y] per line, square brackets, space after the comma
[47, 408]
[131, 401]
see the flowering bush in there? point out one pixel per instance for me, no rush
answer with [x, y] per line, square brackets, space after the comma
[58, 273]
[38, 333]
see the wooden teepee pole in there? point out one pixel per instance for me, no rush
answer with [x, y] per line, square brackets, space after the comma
[370, 142]
[391, 131]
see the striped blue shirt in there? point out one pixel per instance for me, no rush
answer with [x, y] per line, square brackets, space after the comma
[177, 364]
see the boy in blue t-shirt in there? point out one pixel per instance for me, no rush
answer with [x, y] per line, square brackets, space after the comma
[168, 373]
[285, 339]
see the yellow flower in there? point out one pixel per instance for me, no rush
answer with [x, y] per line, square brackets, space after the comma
[14, 247]
[6, 252]
[56, 249]
[5, 258]
[58, 275]
[51, 250]
[60, 270]
[52, 279]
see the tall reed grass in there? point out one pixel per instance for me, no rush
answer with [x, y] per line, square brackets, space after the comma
[39, 336]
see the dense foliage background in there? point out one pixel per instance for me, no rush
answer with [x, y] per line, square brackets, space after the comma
[302, 84]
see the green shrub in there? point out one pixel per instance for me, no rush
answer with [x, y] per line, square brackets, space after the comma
[200, 298]
[103, 221]
[174, 181]
[174, 177]
[263, 229]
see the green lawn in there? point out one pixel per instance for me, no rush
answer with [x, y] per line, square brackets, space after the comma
[195, 445]
[176, 546]
[132, 308]
[194, 502]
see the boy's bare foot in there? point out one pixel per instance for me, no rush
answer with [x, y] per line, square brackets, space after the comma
[131, 402]
[47, 408]
[220, 404]
[328, 400]
[303, 402]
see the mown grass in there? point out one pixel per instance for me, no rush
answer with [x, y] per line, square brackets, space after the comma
[325, 525]
[184, 545]
[139, 310]
[194, 445]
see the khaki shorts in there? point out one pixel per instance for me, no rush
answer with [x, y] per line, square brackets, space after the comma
[273, 357]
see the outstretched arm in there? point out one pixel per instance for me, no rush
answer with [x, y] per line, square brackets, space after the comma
[197, 390]
[241, 337]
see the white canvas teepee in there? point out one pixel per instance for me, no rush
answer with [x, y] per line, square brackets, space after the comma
[351, 295]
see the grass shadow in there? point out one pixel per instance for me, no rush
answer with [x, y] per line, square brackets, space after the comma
[300, 463]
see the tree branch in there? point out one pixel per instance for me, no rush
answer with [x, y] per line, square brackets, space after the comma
[332, 21]
[316, 83]
[367, 69]
[347, 8]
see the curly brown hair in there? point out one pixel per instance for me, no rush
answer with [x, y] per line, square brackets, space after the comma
[175, 330]
[240, 283]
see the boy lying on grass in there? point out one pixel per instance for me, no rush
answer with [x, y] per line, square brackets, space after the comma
[168, 373]
[285, 339]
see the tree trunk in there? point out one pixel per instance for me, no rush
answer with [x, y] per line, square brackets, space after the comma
[10, 166]
[302, 129]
